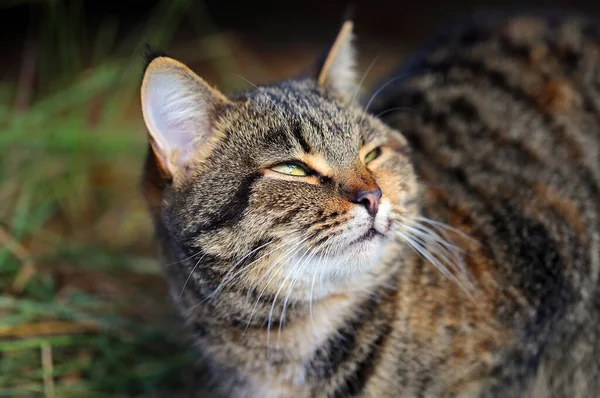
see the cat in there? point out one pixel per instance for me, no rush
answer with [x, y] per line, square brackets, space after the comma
[438, 239]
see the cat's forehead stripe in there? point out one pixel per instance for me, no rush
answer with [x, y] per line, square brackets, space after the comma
[313, 121]
[297, 133]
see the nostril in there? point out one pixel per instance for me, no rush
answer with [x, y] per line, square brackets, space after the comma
[369, 199]
[366, 202]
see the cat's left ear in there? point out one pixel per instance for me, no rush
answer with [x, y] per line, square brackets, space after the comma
[180, 110]
[338, 70]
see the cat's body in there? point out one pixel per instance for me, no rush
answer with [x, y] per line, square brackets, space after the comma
[504, 122]
[502, 127]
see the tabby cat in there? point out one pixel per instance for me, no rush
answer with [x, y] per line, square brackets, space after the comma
[441, 240]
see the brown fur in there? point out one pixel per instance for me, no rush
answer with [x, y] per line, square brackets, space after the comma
[499, 150]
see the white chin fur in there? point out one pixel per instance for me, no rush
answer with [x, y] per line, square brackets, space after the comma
[350, 259]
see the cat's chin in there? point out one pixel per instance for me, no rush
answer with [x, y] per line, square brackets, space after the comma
[353, 260]
[352, 253]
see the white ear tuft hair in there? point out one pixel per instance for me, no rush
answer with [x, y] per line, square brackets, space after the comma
[177, 106]
[338, 72]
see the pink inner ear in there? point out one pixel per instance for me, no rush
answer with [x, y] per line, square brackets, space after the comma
[174, 111]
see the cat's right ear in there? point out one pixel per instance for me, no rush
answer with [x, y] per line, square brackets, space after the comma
[337, 70]
[178, 108]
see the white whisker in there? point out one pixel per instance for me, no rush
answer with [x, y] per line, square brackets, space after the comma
[438, 242]
[227, 277]
[188, 278]
[295, 278]
[277, 295]
[381, 89]
[289, 253]
[262, 91]
[442, 244]
[362, 79]
[421, 249]
[185, 259]
[446, 227]
[312, 288]
[395, 109]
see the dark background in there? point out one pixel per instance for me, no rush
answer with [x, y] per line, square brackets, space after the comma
[268, 26]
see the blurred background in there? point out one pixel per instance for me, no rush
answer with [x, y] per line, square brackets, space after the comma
[83, 307]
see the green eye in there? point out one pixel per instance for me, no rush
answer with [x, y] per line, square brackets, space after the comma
[374, 154]
[289, 169]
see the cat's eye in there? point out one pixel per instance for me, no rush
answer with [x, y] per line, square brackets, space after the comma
[290, 169]
[374, 154]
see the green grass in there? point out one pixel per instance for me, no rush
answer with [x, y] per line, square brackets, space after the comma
[83, 308]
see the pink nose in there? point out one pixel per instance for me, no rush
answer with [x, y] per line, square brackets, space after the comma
[369, 199]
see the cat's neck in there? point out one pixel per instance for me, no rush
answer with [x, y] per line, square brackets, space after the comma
[269, 348]
[265, 318]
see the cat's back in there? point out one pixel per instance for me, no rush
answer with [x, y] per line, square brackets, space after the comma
[539, 75]
[503, 117]
[527, 85]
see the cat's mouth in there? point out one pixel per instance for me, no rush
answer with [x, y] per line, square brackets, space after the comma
[369, 235]
[372, 234]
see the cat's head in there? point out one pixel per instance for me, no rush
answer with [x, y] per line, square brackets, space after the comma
[291, 180]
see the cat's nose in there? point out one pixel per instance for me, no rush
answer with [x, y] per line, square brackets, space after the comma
[369, 199]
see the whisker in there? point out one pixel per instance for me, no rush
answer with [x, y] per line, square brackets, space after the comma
[362, 79]
[285, 256]
[394, 109]
[447, 227]
[329, 250]
[185, 259]
[291, 288]
[277, 295]
[449, 258]
[430, 237]
[289, 253]
[443, 243]
[419, 222]
[422, 250]
[319, 271]
[227, 277]
[424, 229]
[265, 94]
[381, 89]
[188, 278]
[312, 289]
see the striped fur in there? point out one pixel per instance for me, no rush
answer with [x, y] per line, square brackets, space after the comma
[504, 121]
[500, 127]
